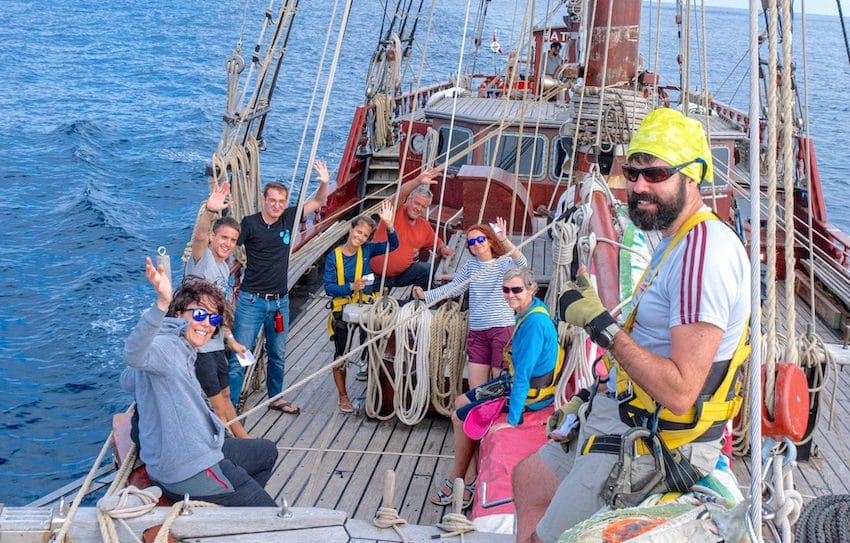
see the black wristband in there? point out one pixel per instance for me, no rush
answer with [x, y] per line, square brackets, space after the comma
[598, 325]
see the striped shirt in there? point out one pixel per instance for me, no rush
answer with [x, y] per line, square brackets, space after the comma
[487, 305]
[706, 278]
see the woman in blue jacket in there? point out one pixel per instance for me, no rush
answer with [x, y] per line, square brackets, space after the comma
[349, 279]
[531, 358]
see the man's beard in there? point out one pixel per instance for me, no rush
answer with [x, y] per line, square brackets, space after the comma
[665, 214]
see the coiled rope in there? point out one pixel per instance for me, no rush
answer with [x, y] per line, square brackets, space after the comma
[131, 502]
[377, 320]
[826, 518]
[447, 356]
[455, 522]
[413, 342]
[387, 516]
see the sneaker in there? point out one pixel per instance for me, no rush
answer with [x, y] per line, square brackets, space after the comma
[362, 375]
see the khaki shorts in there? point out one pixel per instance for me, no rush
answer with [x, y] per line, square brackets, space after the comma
[583, 476]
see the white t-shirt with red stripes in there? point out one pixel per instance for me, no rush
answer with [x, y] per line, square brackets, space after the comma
[706, 278]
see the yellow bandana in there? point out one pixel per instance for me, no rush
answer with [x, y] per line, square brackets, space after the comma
[667, 134]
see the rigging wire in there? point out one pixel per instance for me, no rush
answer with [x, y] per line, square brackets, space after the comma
[843, 29]
[313, 96]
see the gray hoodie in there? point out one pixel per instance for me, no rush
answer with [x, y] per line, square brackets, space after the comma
[180, 436]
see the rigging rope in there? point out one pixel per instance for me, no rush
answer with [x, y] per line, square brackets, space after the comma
[378, 320]
[447, 356]
[413, 344]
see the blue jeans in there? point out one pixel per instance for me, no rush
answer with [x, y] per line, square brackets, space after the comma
[416, 275]
[253, 312]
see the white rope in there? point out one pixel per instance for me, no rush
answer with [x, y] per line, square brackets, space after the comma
[313, 96]
[378, 320]
[783, 502]
[412, 383]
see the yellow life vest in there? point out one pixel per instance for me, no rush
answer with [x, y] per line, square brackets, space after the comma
[338, 302]
[712, 408]
[544, 386]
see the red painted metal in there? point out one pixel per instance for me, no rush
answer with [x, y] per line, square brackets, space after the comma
[791, 411]
[606, 257]
[621, 47]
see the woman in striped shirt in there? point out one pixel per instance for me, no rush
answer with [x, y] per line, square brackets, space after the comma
[491, 320]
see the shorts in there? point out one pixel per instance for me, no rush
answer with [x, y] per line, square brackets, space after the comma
[211, 371]
[486, 347]
[584, 475]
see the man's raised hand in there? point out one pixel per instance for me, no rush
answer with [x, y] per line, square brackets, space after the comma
[218, 199]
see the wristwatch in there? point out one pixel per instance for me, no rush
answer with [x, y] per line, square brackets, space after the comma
[605, 337]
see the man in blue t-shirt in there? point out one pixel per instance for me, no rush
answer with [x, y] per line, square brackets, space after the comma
[267, 237]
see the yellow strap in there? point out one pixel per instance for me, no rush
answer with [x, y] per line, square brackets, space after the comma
[683, 230]
[715, 409]
[340, 301]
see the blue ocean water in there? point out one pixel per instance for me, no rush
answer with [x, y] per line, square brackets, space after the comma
[110, 112]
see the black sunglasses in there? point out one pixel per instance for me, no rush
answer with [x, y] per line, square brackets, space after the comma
[657, 174]
[473, 241]
[515, 290]
[199, 315]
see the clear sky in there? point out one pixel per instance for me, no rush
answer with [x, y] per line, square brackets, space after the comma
[825, 7]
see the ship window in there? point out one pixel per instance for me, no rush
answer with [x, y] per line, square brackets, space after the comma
[461, 140]
[562, 153]
[720, 158]
[531, 152]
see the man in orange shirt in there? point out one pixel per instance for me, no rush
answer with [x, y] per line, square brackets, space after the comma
[414, 233]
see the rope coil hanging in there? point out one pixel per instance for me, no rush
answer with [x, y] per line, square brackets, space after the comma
[412, 382]
[447, 356]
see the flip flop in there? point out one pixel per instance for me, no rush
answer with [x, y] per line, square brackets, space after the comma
[285, 407]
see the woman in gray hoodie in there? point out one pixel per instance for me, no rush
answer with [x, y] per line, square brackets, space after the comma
[182, 442]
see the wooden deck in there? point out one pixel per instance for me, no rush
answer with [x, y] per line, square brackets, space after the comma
[331, 460]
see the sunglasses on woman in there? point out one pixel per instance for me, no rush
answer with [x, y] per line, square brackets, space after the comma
[473, 241]
[199, 315]
[515, 290]
[658, 174]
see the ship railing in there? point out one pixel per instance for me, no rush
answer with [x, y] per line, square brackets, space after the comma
[360, 137]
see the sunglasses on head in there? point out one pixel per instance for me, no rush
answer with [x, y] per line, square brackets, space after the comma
[657, 174]
[515, 290]
[200, 315]
[473, 241]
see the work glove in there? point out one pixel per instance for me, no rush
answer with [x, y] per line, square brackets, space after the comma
[557, 418]
[580, 306]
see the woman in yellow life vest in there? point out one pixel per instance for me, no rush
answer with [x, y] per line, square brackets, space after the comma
[347, 274]
[531, 356]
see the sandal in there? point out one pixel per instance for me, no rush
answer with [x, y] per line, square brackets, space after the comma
[345, 405]
[445, 498]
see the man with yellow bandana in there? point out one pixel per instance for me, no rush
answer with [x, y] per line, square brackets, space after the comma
[674, 353]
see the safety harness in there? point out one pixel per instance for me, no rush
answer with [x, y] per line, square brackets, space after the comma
[338, 302]
[542, 386]
[655, 429]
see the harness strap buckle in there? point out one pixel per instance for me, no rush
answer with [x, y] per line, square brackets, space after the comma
[618, 491]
